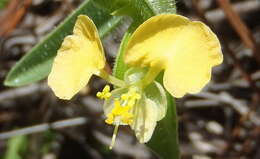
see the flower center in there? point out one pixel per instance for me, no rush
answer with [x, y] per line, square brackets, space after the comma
[120, 104]
[121, 113]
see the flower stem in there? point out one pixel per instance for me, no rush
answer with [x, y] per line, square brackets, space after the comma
[111, 79]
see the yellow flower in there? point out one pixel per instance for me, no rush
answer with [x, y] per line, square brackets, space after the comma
[79, 57]
[186, 50]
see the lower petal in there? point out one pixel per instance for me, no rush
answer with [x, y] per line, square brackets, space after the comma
[71, 70]
[145, 119]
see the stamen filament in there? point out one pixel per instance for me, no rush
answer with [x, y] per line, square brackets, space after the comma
[114, 137]
[111, 79]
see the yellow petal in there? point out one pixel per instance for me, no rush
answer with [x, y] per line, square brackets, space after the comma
[186, 50]
[146, 115]
[151, 44]
[79, 56]
[190, 67]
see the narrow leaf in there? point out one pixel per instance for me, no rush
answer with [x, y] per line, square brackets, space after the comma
[120, 67]
[161, 6]
[138, 9]
[36, 64]
[164, 141]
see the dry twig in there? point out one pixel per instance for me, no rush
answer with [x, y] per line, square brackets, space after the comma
[15, 12]
[43, 127]
[240, 27]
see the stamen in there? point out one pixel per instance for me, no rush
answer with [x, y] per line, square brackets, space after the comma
[121, 112]
[105, 94]
[130, 97]
[114, 137]
[110, 119]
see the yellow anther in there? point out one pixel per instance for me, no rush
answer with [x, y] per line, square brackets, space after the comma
[118, 109]
[106, 88]
[110, 119]
[99, 94]
[105, 94]
[120, 112]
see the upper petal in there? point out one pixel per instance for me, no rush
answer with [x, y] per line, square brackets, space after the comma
[186, 50]
[152, 43]
[196, 51]
[79, 56]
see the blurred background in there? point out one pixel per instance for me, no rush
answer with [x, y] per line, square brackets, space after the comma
[221, 122]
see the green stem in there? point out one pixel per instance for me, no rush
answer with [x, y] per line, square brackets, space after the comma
[149, 77]
[111, 79]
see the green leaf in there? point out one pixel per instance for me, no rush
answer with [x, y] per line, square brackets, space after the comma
[36, 64]
[164, 141]
[15, 147]
[139, 9]
[161, 6]
[111, 5]
[120, 67]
